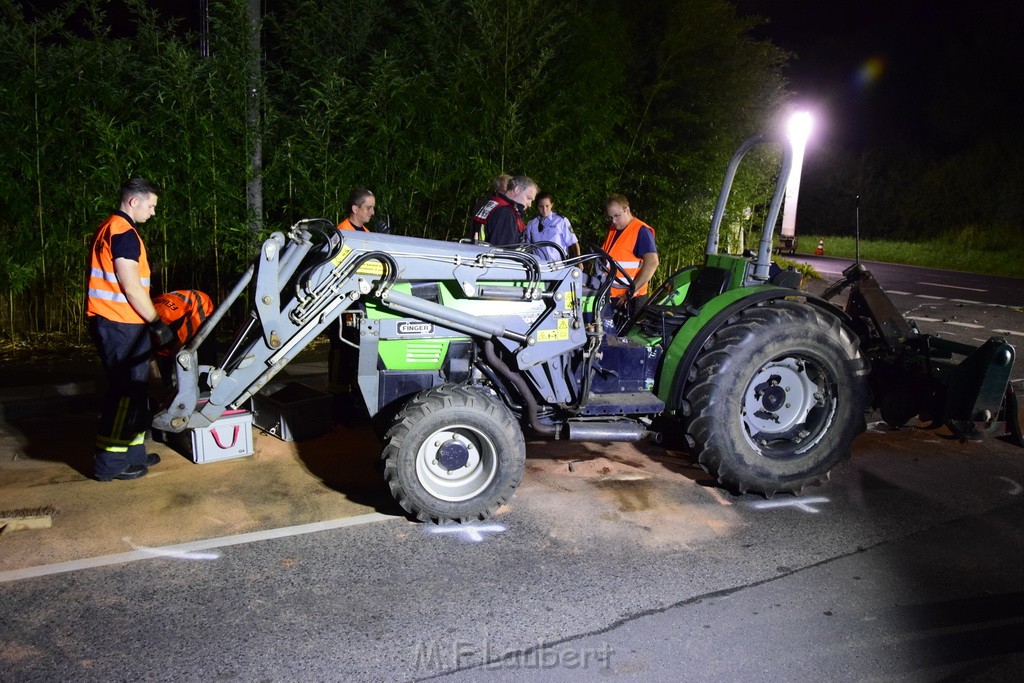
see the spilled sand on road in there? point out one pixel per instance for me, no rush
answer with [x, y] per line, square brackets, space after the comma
[618, 493]
[282, 484]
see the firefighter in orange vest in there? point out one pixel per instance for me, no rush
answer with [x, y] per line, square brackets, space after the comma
[361, 207]
[630, 242]
[122, 319]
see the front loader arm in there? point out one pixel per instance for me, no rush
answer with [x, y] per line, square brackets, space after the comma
[299, 287]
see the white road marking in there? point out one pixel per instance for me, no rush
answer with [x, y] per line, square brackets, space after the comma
[936, 284]
[1015, 487]
[176, 554]
[932, 297]
[924, 318]
[191, 547]
[804, 504]
[473, 532]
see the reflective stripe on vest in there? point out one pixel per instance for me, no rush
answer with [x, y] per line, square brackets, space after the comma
[105, 297]
[621, 249]
[108, 277]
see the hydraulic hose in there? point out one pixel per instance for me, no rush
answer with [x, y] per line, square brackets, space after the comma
[524, 390]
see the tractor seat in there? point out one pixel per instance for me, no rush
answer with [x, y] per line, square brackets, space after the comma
[663, 321]
[709, 283]
[789, 278]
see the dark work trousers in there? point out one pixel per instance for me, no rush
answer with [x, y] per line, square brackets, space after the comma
[124, 349]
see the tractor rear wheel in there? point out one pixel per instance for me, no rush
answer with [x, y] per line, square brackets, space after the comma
[453, 453]
[776, 398]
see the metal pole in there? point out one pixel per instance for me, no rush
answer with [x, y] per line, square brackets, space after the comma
[856, 238]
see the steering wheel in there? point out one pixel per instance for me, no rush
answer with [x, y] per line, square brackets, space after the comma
[613, 271]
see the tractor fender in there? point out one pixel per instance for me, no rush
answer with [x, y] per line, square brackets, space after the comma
[695, 332]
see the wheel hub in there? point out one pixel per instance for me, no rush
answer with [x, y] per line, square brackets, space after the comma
[774, 397]
[456, 462]
[452, 455]
[778, 400]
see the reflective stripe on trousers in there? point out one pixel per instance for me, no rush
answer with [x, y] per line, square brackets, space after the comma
[124, 349]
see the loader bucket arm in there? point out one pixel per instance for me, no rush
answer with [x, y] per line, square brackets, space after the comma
[299, 287]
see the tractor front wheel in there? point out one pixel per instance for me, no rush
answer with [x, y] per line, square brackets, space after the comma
[776, 398]
[454, 453]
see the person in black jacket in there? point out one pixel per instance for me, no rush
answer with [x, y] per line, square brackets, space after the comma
[498, 186]
[502, 219]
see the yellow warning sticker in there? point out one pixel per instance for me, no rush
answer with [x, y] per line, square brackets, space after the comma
[342, 255]
[371, 268]
[374, 268]
[570, 299]
[561, 333]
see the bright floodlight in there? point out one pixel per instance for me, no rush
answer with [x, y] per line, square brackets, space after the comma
[799, 128]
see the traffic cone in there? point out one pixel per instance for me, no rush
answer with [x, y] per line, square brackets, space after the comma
[820, 251]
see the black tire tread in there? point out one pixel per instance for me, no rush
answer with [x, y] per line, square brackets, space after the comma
[427, 403]
[747, 328]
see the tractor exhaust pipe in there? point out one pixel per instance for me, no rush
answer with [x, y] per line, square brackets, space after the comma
[613, 430]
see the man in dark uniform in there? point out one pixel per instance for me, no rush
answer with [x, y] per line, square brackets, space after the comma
[498, 186]
[501, 220]
[121, 319]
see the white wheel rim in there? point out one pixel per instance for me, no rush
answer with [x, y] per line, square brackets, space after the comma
[778, 401]
[465, 481]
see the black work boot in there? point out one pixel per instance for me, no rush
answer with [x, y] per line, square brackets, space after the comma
[131, 472]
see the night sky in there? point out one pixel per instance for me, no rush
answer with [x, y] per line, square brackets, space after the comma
[880, 72]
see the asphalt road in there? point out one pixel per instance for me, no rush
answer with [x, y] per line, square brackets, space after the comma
[609, 564]
[969, 288]
[908, 565]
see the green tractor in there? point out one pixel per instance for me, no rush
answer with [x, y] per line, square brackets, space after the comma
[458, 350]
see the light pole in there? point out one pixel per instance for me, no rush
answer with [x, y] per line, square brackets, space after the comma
[798, 130]
[856, 237]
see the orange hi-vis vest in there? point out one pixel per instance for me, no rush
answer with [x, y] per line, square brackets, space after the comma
[347, 225]
[105, 297]
[621, 247]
